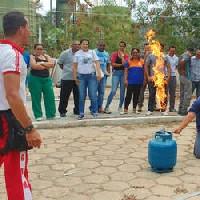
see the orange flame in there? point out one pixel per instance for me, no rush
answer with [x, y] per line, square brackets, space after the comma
[159, 76]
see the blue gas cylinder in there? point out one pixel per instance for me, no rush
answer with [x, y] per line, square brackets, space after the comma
[162, 152]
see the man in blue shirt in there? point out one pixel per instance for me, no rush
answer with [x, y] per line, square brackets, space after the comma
[193, 112]
[105, 67]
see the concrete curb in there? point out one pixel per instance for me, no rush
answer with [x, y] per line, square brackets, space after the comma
[61, 123]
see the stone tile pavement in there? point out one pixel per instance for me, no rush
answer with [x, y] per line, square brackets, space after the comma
[107, 163]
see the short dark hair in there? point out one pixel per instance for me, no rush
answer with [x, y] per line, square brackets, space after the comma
[122, 42]
[37, 44]
[138, 50]
[162, 45]
[82, 40]
[190, 49]
[12, 21]
[172, 47]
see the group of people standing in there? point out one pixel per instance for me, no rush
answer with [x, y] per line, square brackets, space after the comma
[85, 71]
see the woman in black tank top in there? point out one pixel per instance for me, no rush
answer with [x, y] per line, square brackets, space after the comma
[40, 83]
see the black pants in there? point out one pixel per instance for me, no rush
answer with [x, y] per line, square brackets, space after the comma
[152, 96]
[141, 96]
[68, 86]
[133, 90]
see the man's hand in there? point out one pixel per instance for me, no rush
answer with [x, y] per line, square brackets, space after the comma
[33, 139]
[177, 131]
[99, 77]
[77, 82]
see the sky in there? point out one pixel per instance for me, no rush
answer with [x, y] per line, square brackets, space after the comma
[46, 6]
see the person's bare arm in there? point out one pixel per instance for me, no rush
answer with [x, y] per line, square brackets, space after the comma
[12, 85]
[187, 119]
[98, 70]
[74, 69]
[108, 68]
[146, 74]
[35, 65]
[182, 64]
[49, 64]
[168, 72]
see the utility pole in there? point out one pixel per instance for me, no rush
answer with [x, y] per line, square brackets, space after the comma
[51, 10]
[74, 21]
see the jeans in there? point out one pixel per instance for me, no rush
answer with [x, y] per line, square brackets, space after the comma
[101, 91]
[197, 145]
[172, 92]
[196, 85]
[117, 79]
[88, 82]
[185, 94]
[68, 86]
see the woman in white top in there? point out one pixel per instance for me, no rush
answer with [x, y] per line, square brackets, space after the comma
[86, 72]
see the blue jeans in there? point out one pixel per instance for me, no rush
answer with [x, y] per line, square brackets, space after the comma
[101, 91]
[88, 82]
[117, 79]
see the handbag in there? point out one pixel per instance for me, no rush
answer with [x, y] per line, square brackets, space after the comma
[94, 64]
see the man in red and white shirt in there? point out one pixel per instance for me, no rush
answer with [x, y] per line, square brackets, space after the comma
[17, 133]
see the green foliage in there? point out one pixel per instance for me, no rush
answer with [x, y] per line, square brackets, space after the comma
[175, 23]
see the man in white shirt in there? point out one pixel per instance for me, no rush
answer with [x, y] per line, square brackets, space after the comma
[17, 133]
[173, 61]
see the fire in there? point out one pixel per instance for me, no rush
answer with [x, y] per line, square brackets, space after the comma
[158, 69]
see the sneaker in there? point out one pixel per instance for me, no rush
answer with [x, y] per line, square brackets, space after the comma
[120, 109]
[165, 113]
[149, 113]
[94, 115]
[139, 109]
[100, 110]
[124, 112]
[182, 113]
[51, 118]
[134, 110]
[107, 111]
[172, 110]
[80, 117]
[39, 119]
[63, 115]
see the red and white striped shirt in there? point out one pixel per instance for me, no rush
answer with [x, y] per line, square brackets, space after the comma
[11, 61]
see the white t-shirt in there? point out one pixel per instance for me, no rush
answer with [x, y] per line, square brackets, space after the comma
[173, 61]
[11, 61]
[85, 60]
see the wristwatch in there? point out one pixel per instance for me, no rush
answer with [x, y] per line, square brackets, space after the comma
[28, 129]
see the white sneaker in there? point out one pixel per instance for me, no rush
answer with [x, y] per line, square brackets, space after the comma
[107, 111]
[149, 113]
[165, 113]
[39, 119]
[120, 110]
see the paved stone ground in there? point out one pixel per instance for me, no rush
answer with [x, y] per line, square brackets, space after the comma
[106, 163]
